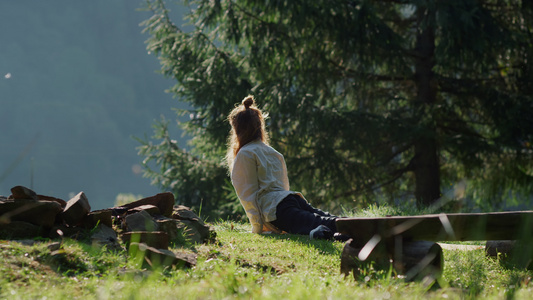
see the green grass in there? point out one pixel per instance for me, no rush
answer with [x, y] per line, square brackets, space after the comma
[241, 265]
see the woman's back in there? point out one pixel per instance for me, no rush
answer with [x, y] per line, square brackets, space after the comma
[271, 168]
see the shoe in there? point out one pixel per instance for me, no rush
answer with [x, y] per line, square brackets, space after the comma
[341, 237]
[322, 232]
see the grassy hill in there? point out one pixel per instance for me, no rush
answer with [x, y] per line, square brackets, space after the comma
[240, 265]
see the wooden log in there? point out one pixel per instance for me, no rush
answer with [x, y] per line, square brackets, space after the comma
[420, 260]
[499, 248]
[378, 258]
[417, 260]
[517, 253]
[443, 227]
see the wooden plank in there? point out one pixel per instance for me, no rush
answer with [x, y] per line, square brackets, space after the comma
[443, 227]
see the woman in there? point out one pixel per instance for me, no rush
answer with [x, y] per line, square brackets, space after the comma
[259, 176]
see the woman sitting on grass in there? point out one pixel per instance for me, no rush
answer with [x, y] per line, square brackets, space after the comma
[259, 176]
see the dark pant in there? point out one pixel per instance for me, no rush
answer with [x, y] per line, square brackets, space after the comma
[295, 215]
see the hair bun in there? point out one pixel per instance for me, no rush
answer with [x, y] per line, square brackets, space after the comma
[248, 101]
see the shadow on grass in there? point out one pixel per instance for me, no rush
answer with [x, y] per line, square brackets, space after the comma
[327, 247]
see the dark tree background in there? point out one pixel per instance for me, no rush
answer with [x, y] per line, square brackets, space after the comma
[371, 100]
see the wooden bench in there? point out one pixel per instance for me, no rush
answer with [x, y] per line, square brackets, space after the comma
[409, 242]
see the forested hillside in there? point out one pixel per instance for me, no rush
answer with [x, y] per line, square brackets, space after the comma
[374, 101]
[76, 85]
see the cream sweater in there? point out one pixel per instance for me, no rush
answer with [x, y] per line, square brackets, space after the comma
[259, 176]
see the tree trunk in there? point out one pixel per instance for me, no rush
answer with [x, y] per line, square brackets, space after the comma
[427, 176]
[426, 161]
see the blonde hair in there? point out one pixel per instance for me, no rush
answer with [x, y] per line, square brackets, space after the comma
[247, 125]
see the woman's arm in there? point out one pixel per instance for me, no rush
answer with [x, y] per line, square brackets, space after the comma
[245, 182]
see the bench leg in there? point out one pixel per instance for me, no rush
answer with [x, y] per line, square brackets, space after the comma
[420, 260]
[379, 258]
[518, 253]
[417, 260]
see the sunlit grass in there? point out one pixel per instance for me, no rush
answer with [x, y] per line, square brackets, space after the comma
[241, 265]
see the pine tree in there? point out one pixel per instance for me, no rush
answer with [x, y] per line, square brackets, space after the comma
[389, 99]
